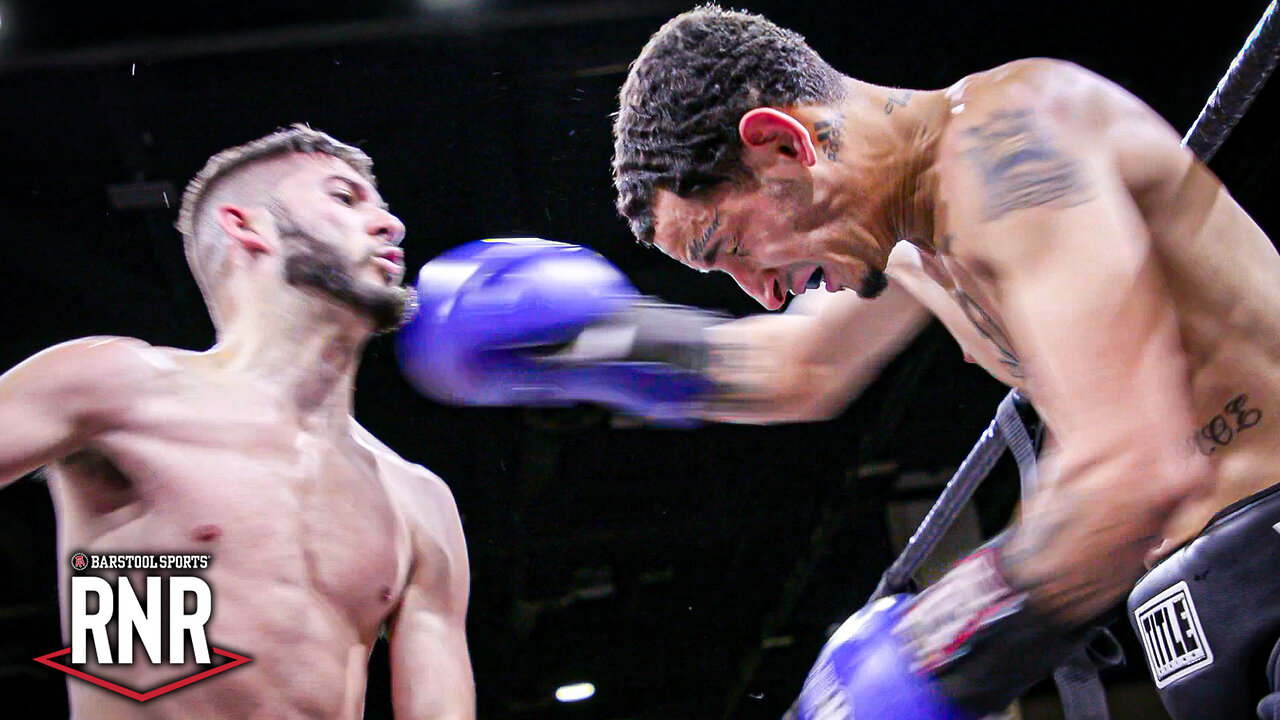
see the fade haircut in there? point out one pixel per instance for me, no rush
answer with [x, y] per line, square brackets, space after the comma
[677, 122]
[235, 175]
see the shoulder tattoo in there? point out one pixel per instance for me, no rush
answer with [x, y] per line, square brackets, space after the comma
[1020, 167]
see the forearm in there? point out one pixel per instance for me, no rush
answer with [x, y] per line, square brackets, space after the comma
[810, 362]
[1081, 542]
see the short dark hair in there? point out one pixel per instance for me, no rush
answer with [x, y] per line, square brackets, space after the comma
[204, 243]
[677, 121]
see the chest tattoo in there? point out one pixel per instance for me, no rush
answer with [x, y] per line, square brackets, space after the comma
[987, 328]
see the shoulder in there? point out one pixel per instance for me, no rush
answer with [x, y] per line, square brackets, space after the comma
[1078, 109]
[423, 496]
[115, 352]
[95, 382]
[1034, 99]
[1035, 82]
[435, 528]
[1024, 120]
[432, 491]
[905, 263]
[909, 268]
[90, 365]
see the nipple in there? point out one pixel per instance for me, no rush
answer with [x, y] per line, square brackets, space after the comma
[207, 533]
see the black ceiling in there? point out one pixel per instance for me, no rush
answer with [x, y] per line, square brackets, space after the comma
[656, 564]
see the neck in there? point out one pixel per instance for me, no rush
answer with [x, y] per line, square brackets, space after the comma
[886, 180]
[305, 349]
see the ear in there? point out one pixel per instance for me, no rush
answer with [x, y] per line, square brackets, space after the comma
[766, 128]
[235, 222]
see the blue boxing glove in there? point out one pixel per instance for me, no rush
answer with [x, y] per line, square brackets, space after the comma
[866, 670]
[966, 647]
[525, 321]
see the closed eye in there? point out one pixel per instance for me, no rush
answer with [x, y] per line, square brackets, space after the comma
[736, 248]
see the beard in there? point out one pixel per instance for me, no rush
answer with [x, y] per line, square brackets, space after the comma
[791, 197]
[873, 283]
[313, 264]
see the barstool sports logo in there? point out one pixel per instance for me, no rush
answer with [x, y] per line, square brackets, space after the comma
[157, 604]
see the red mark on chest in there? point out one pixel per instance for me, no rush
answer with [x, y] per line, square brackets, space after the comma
[207, 533]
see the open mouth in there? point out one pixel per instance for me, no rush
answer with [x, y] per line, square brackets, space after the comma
[815, 279]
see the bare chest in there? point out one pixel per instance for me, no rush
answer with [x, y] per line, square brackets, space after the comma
[973, 320]
[285, 514]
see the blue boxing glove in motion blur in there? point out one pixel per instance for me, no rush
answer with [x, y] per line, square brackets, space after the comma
[964, 648]
[524, 321]
[867, 669]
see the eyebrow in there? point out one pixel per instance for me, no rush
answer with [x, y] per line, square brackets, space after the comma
[362, 190]
[698, 250]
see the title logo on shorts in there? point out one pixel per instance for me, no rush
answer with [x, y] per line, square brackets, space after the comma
[126, 618]
[1172, 636]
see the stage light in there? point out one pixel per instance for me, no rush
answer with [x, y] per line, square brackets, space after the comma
[576, 692]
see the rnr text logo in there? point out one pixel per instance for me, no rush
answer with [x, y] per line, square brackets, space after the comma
[169, 614]
[94, 602]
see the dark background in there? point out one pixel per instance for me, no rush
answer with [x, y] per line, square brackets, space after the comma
[687, 574]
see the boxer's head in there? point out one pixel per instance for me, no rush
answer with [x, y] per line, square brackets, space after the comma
[725, 140]
[296, 208]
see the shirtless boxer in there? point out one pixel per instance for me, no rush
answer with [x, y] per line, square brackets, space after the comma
[320, 536]
[1111, 276]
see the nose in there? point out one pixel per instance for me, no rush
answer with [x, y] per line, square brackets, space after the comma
[765, 286]
[387, 228]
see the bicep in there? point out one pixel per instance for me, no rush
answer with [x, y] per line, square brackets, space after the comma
[50, 403]
[1046, 218]
[1098, 337]
[1046, 222]
[1088, 310]
[430, 662]
[852, 339]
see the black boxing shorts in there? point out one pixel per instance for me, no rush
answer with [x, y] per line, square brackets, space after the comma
[1208, 616]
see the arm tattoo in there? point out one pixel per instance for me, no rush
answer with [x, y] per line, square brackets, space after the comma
[897, 97]
[1223, 428]
[829, 134]
[1020, 166]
